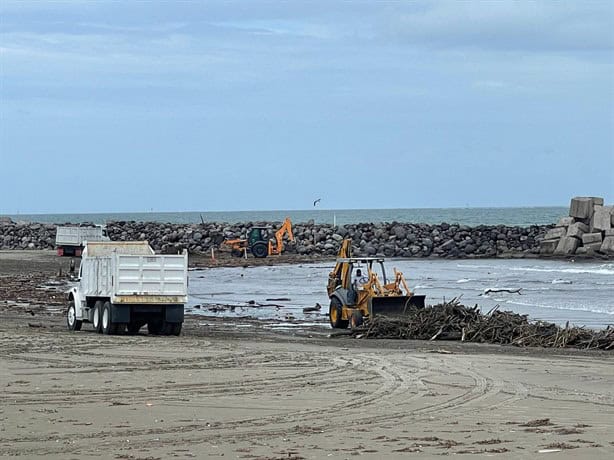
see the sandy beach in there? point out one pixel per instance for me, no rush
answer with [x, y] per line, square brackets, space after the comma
[222, 391]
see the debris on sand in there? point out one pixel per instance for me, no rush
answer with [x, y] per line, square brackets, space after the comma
[538, 422]
[453, 321]
[34, 289]
[316, 307]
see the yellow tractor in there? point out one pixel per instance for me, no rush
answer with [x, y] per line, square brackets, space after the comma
[260, 243]
[356, 291]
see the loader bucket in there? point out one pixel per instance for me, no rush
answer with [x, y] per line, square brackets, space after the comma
[394, 305]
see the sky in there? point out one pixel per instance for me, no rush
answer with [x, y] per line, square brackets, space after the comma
[223, 106]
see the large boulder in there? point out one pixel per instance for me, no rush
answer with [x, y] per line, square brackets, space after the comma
[591, 248]
[589, 238]
[607, 247]
[602, 218]
[548, 246]
[567, 246]
[565, 221]
[555, 233]
[582, 206]
[577, 230]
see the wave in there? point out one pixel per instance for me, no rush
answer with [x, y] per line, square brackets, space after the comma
[559, 307]
[607, 269]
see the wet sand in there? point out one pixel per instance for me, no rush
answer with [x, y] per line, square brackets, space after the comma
[224, 391]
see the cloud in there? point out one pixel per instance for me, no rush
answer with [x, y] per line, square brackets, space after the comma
[523, 26]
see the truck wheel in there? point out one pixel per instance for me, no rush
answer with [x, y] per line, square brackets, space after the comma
[171, 329]
[134, 328]
[71, 317]
[97, 315]
[260, 250]
[108, 328]
[176, 329]
[334, 314]
[154, 327]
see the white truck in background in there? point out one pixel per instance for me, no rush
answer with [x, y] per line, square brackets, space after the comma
[124, 285]
[69, 241]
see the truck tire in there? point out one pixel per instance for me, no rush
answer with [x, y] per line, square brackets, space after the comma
[71, 317]
[97, 315]
[176, 329]
[134, 328]
[260, 250]
[108, 327]
[155, 327]
[171, 328]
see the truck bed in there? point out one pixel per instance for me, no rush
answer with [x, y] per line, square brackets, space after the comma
[135, 279]
[76, 236]
[151, 279]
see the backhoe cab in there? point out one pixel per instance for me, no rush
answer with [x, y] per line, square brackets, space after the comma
[259, 241]
[356, 295]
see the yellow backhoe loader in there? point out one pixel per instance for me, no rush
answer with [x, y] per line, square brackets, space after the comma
[356, 291]
[259, 243]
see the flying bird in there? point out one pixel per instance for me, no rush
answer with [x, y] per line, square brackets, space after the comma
[316, 201]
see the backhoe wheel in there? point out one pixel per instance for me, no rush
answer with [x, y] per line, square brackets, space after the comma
[71, 317]
[356, 319]
[97, 315]
[237, 252]
[108, 327]
[260, 250]
[334, 314]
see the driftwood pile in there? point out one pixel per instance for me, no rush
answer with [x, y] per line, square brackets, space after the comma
[453, 321]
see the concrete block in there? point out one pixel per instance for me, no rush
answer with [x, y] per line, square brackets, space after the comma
[582, 206]
[597, 201]
[582, 250]
[567, 245]
[602, 218]
[609, 232]
[565, 221]
[548, 246]
[589, 238]
[607, 247]
[556, 232]
[591, 247]
[577, 230]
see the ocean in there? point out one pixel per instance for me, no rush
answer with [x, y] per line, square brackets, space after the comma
[523, 217]
[549, 290]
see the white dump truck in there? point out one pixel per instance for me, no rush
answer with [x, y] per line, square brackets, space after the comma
[69, 241]
[124, 285]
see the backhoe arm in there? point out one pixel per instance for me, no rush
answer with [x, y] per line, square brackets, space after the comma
[279, 237]
[340, 274]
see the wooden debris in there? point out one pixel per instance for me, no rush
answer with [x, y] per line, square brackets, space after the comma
[316, 307]
[453, 321]
[511, 291]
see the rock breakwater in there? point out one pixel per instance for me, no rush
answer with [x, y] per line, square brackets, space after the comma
[589, 230]
[370, 239]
